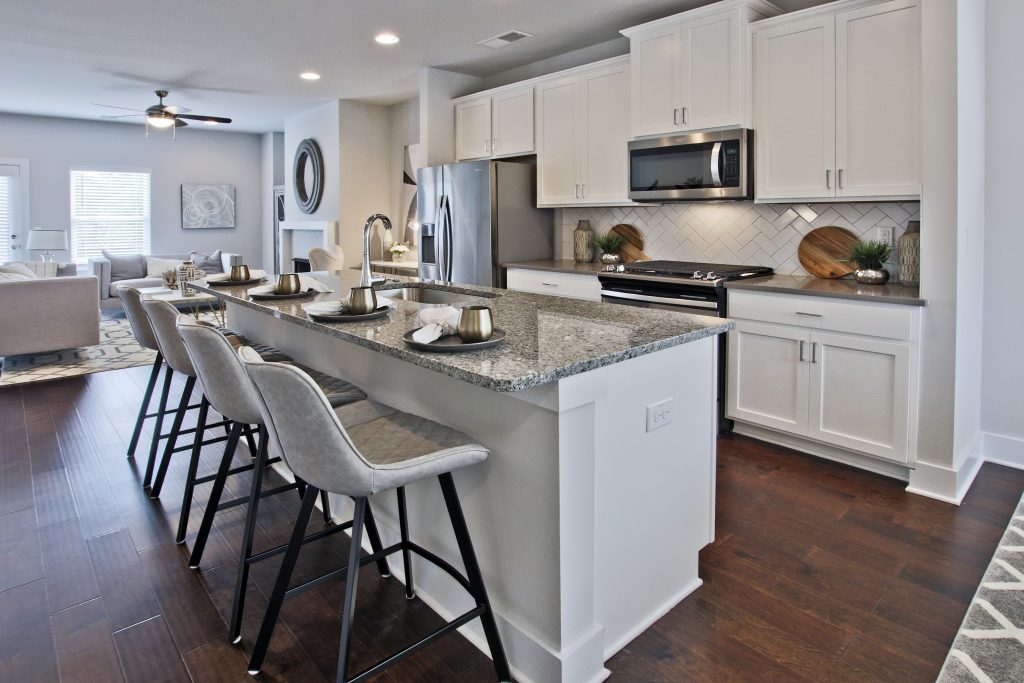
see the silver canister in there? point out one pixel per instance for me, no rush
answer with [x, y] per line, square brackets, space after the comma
[239, 273]
[288, 283]
[475, 324]
[362, 300]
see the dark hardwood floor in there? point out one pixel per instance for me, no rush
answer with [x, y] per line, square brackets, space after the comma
[819, 572]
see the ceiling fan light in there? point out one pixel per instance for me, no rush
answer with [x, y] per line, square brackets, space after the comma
[211, 123]
[160, 120]
[386, 38]
[309, 76]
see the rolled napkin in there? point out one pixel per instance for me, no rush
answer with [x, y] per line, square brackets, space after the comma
[325, 308]
[437, 322]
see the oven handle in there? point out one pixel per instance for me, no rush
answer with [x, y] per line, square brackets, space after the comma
[672, 301]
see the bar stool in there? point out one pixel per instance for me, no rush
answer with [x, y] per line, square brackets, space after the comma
[360, 450]
[131, 299]
[232, 394]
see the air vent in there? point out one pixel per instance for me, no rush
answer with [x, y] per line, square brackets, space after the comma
[503, 39]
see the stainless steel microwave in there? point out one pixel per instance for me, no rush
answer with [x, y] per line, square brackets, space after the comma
[698, 166]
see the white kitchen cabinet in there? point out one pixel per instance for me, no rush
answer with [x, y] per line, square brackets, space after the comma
[577, 286]
[836, 92]
[493, 125]
[767, 375]
[689, 70]
[557, 142]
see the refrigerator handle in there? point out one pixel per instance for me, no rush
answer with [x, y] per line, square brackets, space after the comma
[446, 245]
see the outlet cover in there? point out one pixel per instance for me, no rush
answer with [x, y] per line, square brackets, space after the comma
[884, 234]
[659, 414]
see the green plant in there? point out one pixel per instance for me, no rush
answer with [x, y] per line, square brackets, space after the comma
[870, 255]
[609, 244]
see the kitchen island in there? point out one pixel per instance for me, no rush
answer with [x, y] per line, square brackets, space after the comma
[599, 492]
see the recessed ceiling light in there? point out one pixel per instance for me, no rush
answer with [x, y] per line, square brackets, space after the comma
[386, 38]
[309, 76]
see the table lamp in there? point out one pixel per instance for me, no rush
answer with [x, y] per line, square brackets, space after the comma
[45, 240]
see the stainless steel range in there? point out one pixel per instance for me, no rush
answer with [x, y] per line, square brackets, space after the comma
[683, 286]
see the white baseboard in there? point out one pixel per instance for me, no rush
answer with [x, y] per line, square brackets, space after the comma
[1004, 450]
[647, 623]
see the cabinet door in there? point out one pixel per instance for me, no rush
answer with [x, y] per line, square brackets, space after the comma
[655, 59]
[767, 380]
[603, 152]
[712, 72]
[473, 129]
[794, 77]
[512, 122]
[860, 394]
[877, 135]
[557, 142]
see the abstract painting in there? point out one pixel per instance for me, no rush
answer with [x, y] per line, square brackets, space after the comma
[207, 206]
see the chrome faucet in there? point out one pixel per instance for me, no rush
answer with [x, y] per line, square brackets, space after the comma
[366, 279]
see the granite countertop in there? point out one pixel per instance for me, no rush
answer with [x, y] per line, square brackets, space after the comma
[548, 338]
[559, 266]
[843, 288]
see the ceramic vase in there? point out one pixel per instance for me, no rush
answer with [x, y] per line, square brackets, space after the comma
[910, 254]
[188, 272]
[583, 242]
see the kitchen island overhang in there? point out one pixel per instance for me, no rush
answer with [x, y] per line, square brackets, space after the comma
[587, 525]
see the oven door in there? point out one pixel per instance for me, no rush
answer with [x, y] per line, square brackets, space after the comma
[696, 301]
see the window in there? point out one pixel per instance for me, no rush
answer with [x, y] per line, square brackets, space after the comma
[109, 210]
[10, 200]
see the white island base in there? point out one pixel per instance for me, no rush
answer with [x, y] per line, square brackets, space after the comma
[587, 525]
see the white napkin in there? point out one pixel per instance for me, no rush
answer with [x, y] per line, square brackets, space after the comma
[254, 273]
[437, 322]
[325, 307]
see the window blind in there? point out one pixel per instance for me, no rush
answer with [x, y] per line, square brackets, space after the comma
[8, 197]
[109, 210]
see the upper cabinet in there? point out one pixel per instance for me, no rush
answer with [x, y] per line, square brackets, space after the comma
[836, 114]
[689, 70]
[498, 124]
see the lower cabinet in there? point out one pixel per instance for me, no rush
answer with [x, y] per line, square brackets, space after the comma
[576, 286]
[848, 390]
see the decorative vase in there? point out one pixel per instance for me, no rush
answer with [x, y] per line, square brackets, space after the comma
[188, 272]
[910, 254]
[611, 259]
[871, 276]
[583, 242]
[389, 241]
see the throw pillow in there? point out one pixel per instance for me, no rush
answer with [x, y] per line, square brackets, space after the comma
[18, 269]
[14, 277]
[155, 267]
[125, 266]
[208, 264]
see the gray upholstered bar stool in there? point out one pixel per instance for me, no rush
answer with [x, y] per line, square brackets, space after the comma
[360, 450]
[232, 394]
[131, 299]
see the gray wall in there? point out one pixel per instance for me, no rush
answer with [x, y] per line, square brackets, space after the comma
[54, 145]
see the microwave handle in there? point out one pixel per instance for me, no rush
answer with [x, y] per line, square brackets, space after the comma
[716, 164]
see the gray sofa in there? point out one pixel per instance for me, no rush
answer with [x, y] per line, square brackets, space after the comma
[48, 314]
[100, 267]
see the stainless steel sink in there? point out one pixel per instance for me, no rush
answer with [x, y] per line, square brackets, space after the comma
[429, 295]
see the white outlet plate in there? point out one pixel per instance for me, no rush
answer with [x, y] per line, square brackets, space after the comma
[659, 414]
[884, 234]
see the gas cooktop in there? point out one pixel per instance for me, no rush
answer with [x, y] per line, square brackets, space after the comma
[696, 271]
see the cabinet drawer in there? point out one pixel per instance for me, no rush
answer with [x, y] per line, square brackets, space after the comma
[866, 318]
[557, 284]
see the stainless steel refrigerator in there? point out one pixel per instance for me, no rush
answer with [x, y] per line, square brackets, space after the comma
[476, 215]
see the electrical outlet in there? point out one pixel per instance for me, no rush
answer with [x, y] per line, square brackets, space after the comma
[884, 234]
[659, 414]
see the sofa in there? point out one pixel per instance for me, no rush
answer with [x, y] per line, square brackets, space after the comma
[38, 315]
[108, 281]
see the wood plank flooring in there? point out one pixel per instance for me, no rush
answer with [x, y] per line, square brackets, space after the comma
[819, 572]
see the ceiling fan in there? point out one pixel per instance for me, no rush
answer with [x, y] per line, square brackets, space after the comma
[162, 115]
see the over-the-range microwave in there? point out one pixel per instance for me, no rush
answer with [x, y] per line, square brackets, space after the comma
[698, 166]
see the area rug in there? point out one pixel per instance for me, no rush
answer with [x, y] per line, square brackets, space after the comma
[990, 644]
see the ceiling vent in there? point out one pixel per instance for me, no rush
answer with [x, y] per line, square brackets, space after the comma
[503, 39]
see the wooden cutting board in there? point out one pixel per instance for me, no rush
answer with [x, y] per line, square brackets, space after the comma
[822, 251]
[633, 249]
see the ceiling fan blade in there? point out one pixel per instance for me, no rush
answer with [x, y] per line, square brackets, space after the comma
[118, 116]
[178, 123]
[197, 117]
[111, 106]
[175, 109]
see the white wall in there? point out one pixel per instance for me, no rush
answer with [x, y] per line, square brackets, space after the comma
[1003, 366]
[54, 145]
[321, 124]
[405, 130]
[437, 113]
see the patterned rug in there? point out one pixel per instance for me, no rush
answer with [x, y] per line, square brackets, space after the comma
[990, 644]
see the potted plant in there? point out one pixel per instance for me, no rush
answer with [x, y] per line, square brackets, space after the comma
[870, 258]
[399, 250]
[609, 245]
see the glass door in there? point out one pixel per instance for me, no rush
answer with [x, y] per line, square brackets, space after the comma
[10, 213]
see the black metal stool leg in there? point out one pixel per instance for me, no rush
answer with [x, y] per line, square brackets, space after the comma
[251, 443]
[161, 409]
[146, 398]
[172, 439]
[193, 467]
[215, 493]
[476, 579]
[242, 579]
[375, 545]
[348, 611]
[291, 555]
[403, 523]
[325, 506]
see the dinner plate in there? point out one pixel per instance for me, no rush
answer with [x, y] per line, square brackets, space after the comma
[233, 283]
[452, 343]
[350, 317]
[273, 296]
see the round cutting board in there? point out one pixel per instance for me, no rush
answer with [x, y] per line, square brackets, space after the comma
[633, 249]
[822, 251]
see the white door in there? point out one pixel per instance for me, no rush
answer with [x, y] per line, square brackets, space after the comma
[603, 149]
[860, 394]
[512, 123]
[877, 134]
[557, 136]
[10, 213]
[656, 67]
[794, 119]
[767, 375]
[473, 129]
[712, 72]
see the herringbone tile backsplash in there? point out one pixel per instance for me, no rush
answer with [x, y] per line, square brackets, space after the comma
[737, 232]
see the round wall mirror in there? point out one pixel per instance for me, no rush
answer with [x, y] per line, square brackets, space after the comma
[308, 175]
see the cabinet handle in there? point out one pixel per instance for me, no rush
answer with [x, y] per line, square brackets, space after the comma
[839, 179]
[802, 351]
[814, 352]
[577, 186]
[828, 178]
[549, 284]
[675, 117]
[683, 111]
[583, 191]
[487, 146]
[810, 315]
[494, 145]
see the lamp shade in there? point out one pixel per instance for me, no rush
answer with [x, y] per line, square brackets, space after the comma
[49, 240]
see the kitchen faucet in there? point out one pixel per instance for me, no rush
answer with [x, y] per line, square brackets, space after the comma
[366, 279]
